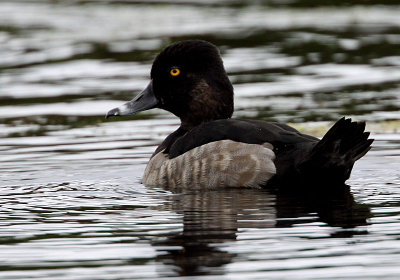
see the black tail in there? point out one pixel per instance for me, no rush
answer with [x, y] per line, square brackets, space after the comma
[332, 158]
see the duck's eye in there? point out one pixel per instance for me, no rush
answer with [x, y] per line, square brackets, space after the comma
[174, 72]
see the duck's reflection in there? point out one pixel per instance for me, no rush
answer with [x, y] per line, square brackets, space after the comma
[211, 218]
[334, 206]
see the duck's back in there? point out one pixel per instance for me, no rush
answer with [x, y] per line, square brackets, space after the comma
[244, 131]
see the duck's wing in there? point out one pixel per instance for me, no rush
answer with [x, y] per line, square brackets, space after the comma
[297, 157]
[244, 131]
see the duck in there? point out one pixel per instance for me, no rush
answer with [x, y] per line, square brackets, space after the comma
[210, 149]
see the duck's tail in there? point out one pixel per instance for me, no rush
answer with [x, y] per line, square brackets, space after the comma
[332, 158]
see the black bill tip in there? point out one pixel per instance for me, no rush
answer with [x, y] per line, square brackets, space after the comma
[113, 113]
[142, 102]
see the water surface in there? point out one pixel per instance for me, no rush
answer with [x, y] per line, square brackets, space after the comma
[72, 206]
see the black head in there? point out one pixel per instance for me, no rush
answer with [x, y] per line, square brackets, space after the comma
[188, 79]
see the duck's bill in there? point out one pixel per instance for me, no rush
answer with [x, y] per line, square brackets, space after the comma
[143, 101]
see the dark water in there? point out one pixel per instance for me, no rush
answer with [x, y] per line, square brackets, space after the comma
[71, 205]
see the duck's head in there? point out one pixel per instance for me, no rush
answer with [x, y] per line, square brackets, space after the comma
[188, 79]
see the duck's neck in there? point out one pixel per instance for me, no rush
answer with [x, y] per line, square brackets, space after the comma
[210, 101]
[188, 124]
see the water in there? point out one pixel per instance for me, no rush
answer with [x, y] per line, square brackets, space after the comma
[72, 206]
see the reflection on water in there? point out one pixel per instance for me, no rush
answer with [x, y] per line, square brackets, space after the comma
[211, 218]
[72, 206]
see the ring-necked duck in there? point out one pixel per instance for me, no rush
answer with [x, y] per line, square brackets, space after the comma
[211, 150]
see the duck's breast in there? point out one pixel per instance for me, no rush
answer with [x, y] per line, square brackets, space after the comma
[224, 163]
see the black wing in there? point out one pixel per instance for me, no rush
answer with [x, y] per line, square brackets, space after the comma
[299, 157]
[245, 131]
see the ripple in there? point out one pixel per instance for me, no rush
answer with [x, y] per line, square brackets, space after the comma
[72, 206]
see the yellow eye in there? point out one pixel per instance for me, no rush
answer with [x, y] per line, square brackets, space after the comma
[174, 72]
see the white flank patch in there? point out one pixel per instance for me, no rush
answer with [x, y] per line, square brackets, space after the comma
[217, 164]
